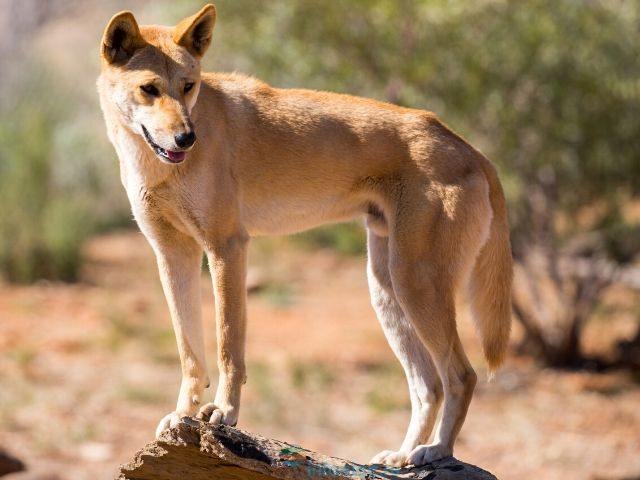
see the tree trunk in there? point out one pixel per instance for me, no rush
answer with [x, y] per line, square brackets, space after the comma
[199, 451]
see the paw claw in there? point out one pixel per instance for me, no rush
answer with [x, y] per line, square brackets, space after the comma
[423, 454]
[205, 412]
[390, 458]
[169, 421]
[216, 415]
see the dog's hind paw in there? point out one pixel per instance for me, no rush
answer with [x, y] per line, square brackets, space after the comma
[390, 458]
[423, 454]
[217, 415]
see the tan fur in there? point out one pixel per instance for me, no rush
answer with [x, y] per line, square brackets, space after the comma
[274, 161]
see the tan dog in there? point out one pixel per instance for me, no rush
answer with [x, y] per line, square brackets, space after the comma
[273, 161]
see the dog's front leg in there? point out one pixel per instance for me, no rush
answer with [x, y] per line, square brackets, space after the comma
[227, 261]
[180, 262]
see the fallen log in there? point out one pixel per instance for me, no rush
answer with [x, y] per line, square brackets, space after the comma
[199, 451]
[9, 463]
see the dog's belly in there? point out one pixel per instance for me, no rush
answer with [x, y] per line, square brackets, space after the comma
[280, 217]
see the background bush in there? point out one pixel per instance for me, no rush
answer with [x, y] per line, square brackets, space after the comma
[549, 90]
[54, 187]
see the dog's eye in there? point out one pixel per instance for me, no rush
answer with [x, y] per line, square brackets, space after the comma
[188, 86]
[150, 90]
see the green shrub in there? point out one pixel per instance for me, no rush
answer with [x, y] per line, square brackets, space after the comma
[345, 238]
[50, 183]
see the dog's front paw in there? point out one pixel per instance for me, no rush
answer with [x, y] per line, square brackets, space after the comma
[218, 415]
[169, 421]
[423, 454]
[390, 458]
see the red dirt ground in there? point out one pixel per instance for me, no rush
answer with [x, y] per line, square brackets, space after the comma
[87, 370]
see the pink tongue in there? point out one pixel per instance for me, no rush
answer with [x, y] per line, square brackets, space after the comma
[176, 156]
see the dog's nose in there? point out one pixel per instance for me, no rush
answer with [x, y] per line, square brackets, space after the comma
[185, 139]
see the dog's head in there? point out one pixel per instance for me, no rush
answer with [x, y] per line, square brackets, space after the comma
[152, 75]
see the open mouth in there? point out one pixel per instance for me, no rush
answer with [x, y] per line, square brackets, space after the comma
[169, 155]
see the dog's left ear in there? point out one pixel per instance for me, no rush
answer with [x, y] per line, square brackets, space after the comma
[194, 32]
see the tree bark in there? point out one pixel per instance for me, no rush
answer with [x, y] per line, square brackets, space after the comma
[199, 451]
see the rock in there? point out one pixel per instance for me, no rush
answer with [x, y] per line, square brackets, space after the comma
[199, 451]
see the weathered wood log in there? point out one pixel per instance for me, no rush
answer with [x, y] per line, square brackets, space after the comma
[198, 451]
[9, 463]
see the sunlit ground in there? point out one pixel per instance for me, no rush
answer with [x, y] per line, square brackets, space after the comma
[87, 370]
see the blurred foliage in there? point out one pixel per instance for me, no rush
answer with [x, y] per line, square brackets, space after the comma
[50, 182]
[344, 238]
[277, 294]
[41, 232]
[311, 375]
[548, 89]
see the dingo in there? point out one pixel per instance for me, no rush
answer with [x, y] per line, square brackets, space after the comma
[209, 160]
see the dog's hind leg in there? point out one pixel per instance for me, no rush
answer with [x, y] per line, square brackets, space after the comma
[425, 388]
[433, 244]
[428, 301]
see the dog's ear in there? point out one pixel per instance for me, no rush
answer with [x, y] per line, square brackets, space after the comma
[121, 38]
[194, 32]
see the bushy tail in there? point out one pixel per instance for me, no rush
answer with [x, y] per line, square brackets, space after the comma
[490, 282]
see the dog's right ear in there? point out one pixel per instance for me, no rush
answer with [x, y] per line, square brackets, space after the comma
[194, 32]
[121, 38]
